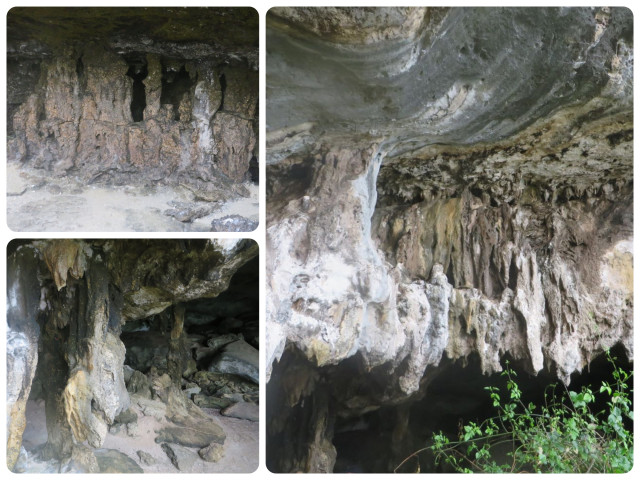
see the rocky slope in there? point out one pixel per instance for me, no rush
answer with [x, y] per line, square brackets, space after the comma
[135, 96]
[443, 185]
[106, 331]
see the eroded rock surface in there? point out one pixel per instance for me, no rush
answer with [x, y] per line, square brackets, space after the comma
[101, 103]
[439, 190]
[73, 306]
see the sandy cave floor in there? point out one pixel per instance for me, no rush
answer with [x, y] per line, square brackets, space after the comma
[36, 204]
[240, 447]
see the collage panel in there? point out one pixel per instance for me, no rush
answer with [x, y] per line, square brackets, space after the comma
[132, 356]
[450, 235]
[132, 119]
[439, 281]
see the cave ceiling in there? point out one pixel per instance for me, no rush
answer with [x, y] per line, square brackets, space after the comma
[417, 77]
[187, 33]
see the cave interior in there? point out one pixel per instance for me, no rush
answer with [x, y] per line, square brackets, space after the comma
[197, 353]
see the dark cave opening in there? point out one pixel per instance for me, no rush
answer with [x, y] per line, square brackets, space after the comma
[253, 173]
[223, 90]
[138, 72]
[210, 324]
[80, 73]
[175, 83]
[456, 396]
[513, 274]
[371, 436]
[289, 180]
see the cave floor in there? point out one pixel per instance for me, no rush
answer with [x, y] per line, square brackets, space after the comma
[45, 204]
[240, 446]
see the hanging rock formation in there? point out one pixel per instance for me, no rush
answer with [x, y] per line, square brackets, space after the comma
[70, 306]
[443, 185]
[135, 96]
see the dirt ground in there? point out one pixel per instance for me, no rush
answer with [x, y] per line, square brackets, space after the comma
[240, 447]
[39, 204]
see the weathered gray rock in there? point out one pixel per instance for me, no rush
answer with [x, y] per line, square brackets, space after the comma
[184, 212]
[152, 408]
[206, 401]
[83, 460]
[127, 372]
[116, 428]
[31, 463]
[219, 341]
[237, 358]
[212, 453]
[213, 383]
[146, 349]
[126, 416]
[243, 410]
[146, 458]
[182, 458]
[190, 368]
[139, 384]
[191, 390]
[133, 429]
[23, 303]
[114, 461]
[233, 223]
[191, 433]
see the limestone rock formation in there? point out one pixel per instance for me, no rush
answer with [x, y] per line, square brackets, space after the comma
[72, 308]
[133, 96]
[444, 185]
[23, 305]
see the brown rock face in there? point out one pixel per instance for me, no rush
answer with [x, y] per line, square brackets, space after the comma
[109, 106]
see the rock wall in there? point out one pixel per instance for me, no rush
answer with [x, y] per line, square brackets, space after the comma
[475, 200]
[96, 99]
[69, 302]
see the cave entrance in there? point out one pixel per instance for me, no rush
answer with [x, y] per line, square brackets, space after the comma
[133, 373]
[211, 325]
[175, 83]
[378, 438]
[138, 72]
[231, 316]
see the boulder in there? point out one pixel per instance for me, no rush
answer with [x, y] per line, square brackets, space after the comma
[237, 358]
[114, 461]
[191, 432]
[212, 453]
[139, 384]
[233, 223]
[146, 458]
[243, 410]
[181, 457]
[206, 401]
[216, 342]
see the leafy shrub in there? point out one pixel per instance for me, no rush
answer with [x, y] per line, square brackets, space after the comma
[563, 435]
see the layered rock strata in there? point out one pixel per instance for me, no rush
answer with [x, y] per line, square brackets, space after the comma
[467, 197]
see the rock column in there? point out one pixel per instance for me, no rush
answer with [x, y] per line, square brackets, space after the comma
[23, 295]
